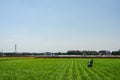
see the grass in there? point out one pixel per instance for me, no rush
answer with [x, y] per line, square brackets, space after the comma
[58, 69]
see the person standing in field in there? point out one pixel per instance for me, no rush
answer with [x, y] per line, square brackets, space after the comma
[90, 63]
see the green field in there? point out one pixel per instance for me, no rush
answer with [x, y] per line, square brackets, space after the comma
[58, 69]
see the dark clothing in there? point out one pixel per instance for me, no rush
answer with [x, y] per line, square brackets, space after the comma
[90, 63]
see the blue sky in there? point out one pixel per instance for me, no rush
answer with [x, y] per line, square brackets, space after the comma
[59, 25]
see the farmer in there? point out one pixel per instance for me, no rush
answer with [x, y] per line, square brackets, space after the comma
[90, 63]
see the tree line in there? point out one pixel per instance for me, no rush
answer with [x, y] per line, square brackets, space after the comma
[71, 52]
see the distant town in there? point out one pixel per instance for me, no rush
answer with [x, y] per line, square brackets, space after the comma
[70, 53]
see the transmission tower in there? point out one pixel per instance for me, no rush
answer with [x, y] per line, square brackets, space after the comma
[15, 48]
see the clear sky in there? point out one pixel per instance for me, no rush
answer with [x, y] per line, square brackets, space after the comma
[59, 25]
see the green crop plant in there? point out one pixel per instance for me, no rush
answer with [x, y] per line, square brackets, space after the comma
[59, 69]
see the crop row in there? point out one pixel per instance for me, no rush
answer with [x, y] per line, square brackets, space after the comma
[58, 69]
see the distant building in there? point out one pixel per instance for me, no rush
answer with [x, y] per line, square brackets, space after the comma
[49, 53]
[119, 49]
[104, 52]
[1, 53]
